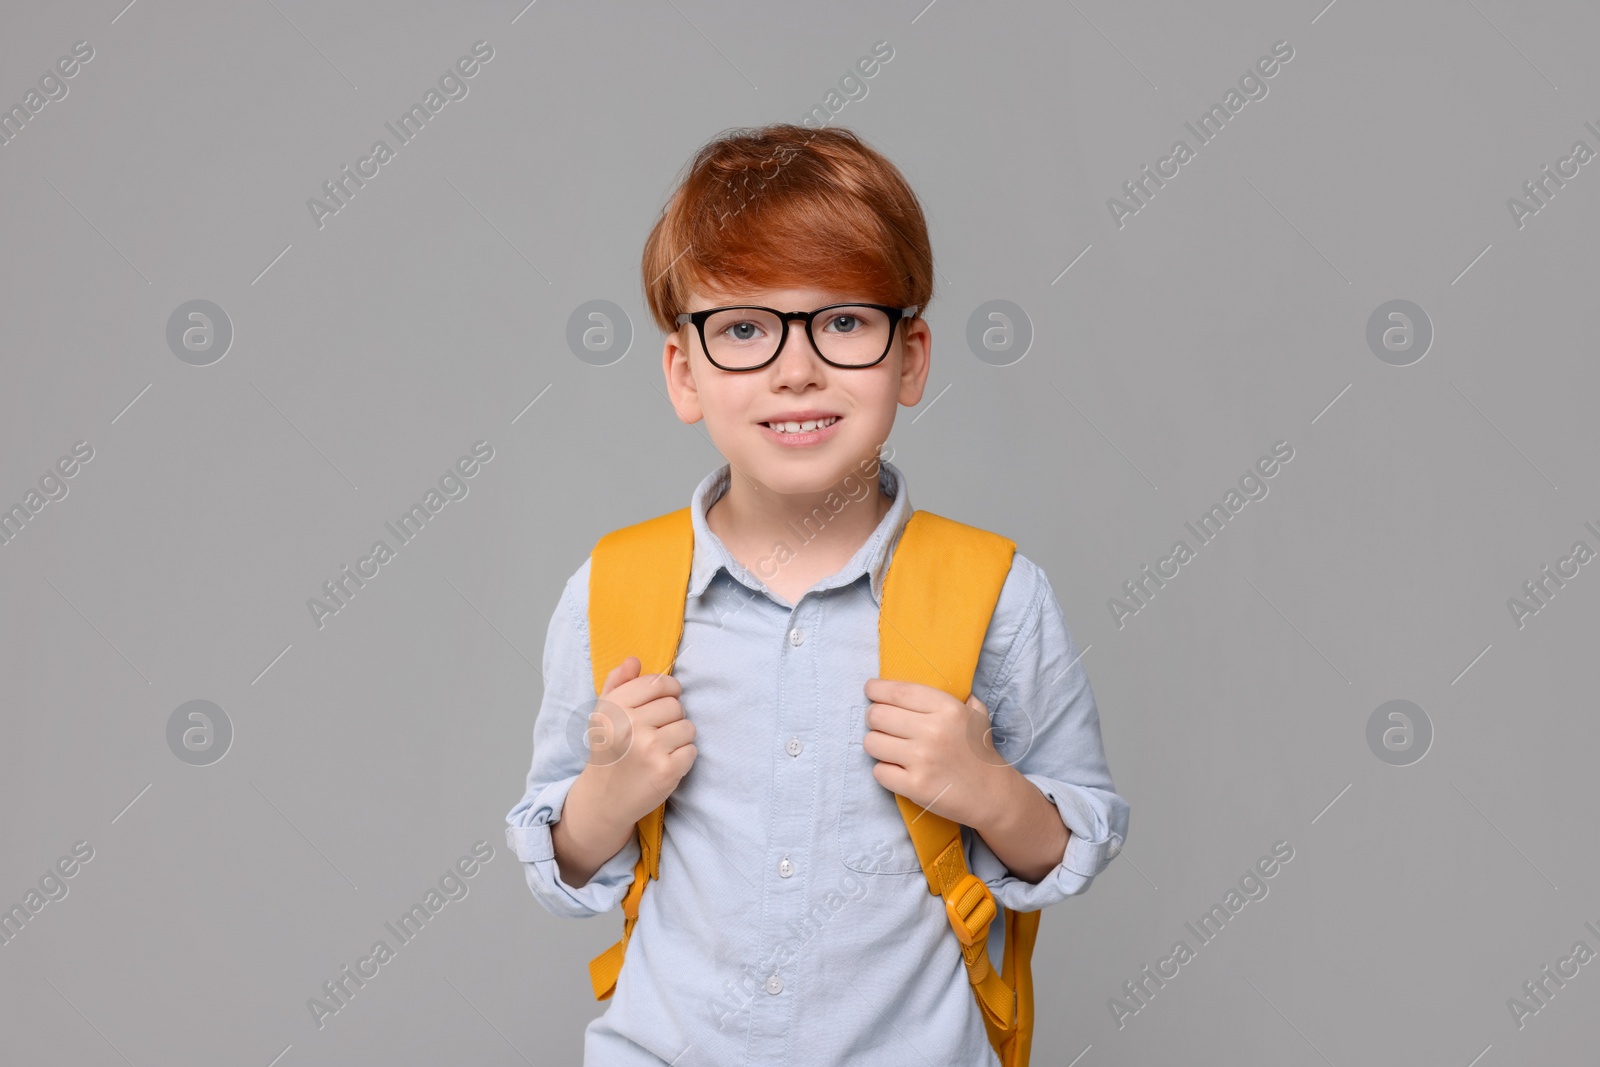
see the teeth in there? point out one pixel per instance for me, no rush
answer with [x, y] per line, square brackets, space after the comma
[802, 427]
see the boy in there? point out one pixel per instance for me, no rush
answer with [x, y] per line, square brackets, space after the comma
[791, 921]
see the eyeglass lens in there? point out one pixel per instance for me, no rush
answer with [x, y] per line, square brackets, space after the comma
[853, 335]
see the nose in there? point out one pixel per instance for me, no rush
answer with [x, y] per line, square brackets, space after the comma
[798, 361]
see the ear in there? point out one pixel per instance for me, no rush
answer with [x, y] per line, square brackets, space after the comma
[916, 347]
[681, 388]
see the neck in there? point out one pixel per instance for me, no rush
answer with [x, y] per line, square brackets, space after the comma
[753, 516]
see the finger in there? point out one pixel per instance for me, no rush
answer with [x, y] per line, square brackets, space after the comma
[659, 712]
[683, 758]
[677, 734]
[894, 691]
[622, 672]
[645, 687]
[890, 719]
[913, 696]
[888, 749]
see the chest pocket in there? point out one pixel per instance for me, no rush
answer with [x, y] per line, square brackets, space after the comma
[873, 838]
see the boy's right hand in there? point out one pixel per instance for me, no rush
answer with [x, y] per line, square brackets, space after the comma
[640, 743]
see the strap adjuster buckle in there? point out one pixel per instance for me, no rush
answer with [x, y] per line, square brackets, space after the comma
[971, 908]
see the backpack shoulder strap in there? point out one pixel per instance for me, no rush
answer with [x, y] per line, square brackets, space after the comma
[943, 584]
[638, 582]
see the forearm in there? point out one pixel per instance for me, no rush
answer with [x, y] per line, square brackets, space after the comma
[1023, 829]
[585, 836]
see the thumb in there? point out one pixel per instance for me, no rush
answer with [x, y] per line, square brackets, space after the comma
[625, 671]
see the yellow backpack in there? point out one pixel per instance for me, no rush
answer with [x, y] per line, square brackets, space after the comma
[943, 583]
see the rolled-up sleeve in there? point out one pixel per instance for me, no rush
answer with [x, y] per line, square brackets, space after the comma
[1047, 726]
[559, 755]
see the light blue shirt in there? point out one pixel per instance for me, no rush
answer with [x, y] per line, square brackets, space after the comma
[792, 923]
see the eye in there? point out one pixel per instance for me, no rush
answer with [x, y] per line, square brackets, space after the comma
[851, 322]
[743, 330]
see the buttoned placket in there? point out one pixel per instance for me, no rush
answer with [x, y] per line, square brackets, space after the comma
[794, 803]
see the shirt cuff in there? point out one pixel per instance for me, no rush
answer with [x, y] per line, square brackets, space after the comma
[528, 837]
[1090, 815]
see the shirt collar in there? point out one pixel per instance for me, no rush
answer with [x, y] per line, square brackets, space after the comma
[872, 558]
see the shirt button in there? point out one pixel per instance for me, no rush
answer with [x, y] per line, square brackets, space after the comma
[1115, 847]
[785, 868]
[774, 985]
[796, 636]
[793, 747]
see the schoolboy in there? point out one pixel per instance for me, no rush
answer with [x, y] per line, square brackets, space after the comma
[791, 922]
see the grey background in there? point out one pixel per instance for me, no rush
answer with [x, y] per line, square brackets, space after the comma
[1228, 314]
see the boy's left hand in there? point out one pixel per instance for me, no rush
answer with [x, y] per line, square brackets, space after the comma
[934, 750]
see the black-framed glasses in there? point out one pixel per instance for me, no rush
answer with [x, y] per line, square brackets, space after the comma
[744, 337]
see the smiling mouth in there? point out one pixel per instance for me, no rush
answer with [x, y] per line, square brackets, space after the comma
[806, 426]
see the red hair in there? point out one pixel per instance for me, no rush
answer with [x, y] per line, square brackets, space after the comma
[786, 206]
